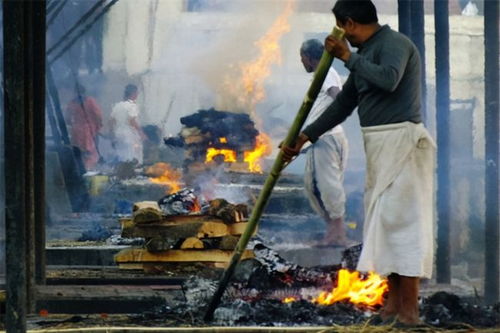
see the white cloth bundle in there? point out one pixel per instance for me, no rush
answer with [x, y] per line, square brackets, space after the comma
[399, 196]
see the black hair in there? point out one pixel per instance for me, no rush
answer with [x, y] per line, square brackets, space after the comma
[130, 89]
[312, 48]
[360, 11]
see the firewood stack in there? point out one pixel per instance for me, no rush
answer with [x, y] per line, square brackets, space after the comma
[208, 238]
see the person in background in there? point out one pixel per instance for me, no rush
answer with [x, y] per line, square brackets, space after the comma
[125, 129]
[327, 157]
[384, 85]
[85, 119]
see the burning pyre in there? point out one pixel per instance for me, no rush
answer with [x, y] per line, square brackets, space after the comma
[212, 137]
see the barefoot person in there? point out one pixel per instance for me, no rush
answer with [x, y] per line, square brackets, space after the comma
[327, 157]
[384, 85]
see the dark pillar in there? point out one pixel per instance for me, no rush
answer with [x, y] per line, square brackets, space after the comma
[404, 17]
[491, 78]
[418, 37]
[443, 138]
[39, 138]
[16, 27]
[24, 50]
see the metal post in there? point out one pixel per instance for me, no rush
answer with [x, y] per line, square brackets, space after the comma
[418, 37]
[491, 78]
[404, 17]
[441, 22]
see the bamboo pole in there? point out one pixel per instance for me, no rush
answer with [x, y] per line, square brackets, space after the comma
[313, 91]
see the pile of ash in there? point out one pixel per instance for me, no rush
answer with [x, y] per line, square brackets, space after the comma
[256, 298]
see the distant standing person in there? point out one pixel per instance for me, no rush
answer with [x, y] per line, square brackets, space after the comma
[326, 158]
[85, 118]
[127, 133]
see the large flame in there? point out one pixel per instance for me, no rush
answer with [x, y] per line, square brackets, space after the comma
[163, 173]
[351, 287]
[245, 92]
[262, 148]
[229, 155]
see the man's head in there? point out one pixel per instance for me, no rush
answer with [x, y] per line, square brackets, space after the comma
[310, 54]
[357, 18]
[131, 92]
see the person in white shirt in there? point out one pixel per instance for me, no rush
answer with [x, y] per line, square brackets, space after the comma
[326, 158]
[125, 128]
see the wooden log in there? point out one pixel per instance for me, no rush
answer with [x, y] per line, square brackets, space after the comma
[199, 227]
[158, 244]
[192, 243]
[228, 212]
[146, 212]
[138, 255]
[228, 243]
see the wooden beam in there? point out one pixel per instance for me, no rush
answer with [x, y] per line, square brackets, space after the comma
[176, 230]
[138, 255]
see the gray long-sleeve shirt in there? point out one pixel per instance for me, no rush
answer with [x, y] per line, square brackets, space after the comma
[384, 84]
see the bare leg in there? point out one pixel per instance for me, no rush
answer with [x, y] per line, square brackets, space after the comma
[393, 303]
[408, 292]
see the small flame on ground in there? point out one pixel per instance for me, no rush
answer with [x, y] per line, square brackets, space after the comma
[351, 287]
[164, 173]
[262, 149]
[223, 140]
[288, 300]
[229, 155]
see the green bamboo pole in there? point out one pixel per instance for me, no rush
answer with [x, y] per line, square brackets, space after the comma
[319, 77]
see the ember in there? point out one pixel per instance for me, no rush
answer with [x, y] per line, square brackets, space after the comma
[351, 287]
[289, 300]
[229, 155]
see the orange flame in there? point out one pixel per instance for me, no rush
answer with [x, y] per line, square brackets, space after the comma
[163, 173]
[223, 140]
[262, 148]
[351, 287]
[288, 300]
[229, 155]
[249, 90]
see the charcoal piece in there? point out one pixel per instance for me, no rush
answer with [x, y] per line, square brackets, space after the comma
[350, 256]
[96, 233]
[182, 202]
[215, 205]
[231, 314]
[174, 141]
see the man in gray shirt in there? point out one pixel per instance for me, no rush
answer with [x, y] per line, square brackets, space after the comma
[384, 85]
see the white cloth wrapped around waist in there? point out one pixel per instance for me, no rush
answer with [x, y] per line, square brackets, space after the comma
[399, 196]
